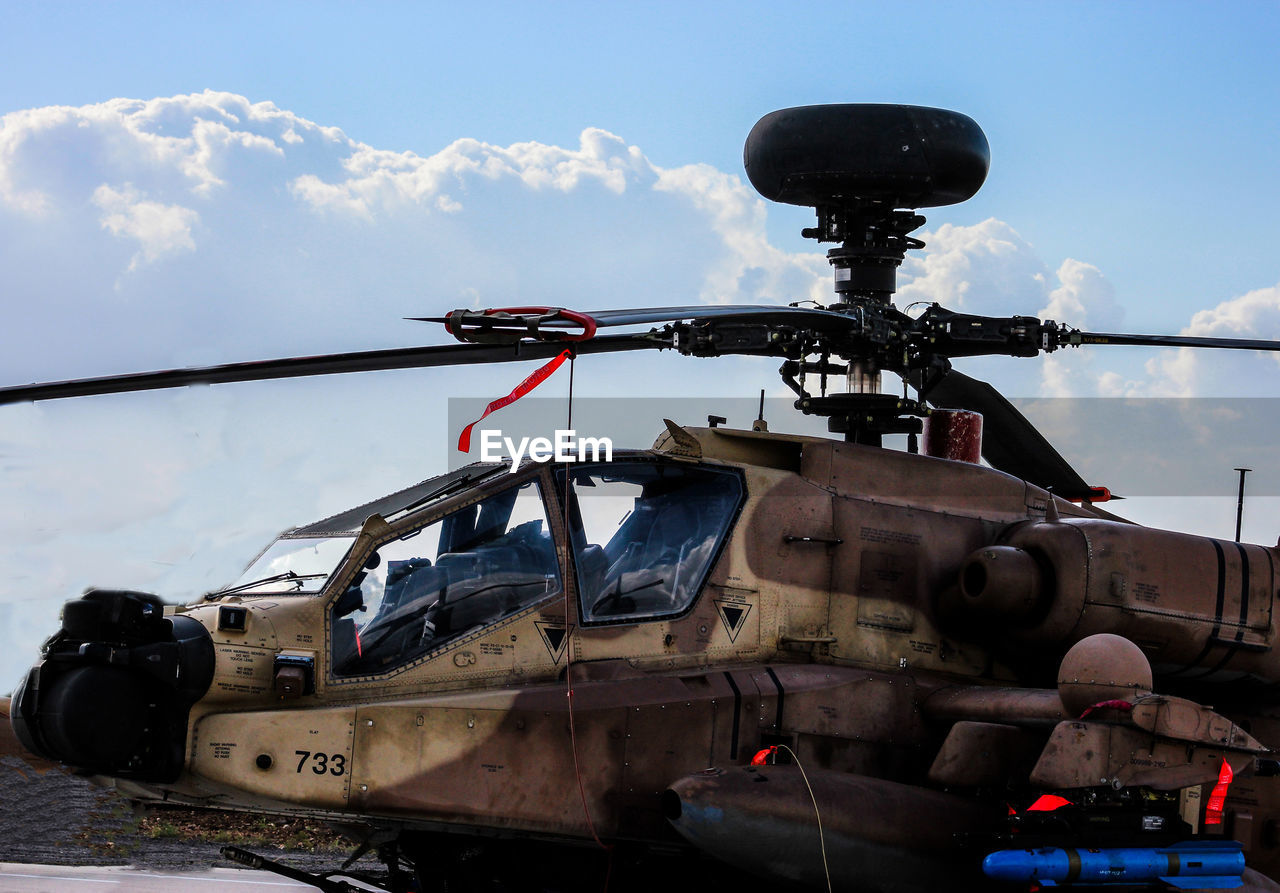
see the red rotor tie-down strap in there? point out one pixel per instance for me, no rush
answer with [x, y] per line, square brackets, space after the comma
[1217, 800]
[539, 375]
[456, 324]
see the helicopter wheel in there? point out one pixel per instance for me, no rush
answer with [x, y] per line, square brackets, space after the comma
[399, 880]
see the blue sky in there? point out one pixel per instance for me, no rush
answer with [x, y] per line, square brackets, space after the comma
[1131, 133]
[355, 164]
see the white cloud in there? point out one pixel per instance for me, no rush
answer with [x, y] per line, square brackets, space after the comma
[984, 268]
[329, 197]
[1253, 315]
[1187, 372]
[381, 179]
[189, 138]
[753, 269]
[1085, 299]
[378, 181]
[159, 229]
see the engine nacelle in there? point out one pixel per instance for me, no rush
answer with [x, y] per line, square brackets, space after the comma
[1187, 601]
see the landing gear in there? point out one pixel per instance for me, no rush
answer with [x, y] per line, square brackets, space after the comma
[398, 880]
[420, 862]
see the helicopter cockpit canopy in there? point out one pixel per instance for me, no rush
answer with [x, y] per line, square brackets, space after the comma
[292, 565]
[300, 561]
[459, 573]
[644, 536]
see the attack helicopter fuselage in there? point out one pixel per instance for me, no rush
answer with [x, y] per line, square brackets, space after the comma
[565, 651]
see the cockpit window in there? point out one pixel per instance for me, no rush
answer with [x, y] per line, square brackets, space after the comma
[456, 575]
[645, 535]
[292, 566]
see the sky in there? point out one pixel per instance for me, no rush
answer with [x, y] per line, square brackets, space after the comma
[204, 183]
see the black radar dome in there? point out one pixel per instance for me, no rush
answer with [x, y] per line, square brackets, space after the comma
[902, 156]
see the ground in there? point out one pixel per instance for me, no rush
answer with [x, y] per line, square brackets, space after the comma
[50, 816]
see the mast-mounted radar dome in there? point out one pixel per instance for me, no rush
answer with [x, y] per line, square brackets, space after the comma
[859, 165]
[902, 156]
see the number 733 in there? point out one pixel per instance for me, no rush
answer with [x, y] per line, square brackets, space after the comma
[333, 764]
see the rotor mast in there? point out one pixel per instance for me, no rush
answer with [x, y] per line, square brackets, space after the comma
[874, 242]
[864, 169]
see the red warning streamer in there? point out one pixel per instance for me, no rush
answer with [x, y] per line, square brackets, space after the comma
[1213, 810]
[538, 377]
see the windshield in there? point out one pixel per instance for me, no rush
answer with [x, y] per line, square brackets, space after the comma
[456, 575]
[645, 536]
[293, 566]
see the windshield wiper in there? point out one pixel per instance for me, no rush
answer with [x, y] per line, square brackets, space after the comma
[287, 575]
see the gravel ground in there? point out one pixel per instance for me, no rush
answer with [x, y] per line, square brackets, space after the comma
[51, 817]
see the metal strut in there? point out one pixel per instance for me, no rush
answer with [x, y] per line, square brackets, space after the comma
[330, 882]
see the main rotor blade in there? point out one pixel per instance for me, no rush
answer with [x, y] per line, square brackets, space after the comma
[763, 313]
[1074, 338]
[818, 319]
[325, 364]
[1009, 441]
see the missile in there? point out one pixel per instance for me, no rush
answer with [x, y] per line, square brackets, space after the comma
[1192, 865]
[875, 834]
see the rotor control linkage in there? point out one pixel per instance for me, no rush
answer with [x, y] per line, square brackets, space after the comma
[952, 334]
[719, 338]
[946, 333]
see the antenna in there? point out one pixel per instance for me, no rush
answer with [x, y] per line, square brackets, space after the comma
[760, 424]
[1240, 500]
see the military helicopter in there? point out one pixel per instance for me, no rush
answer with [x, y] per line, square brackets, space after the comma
[739, 654]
